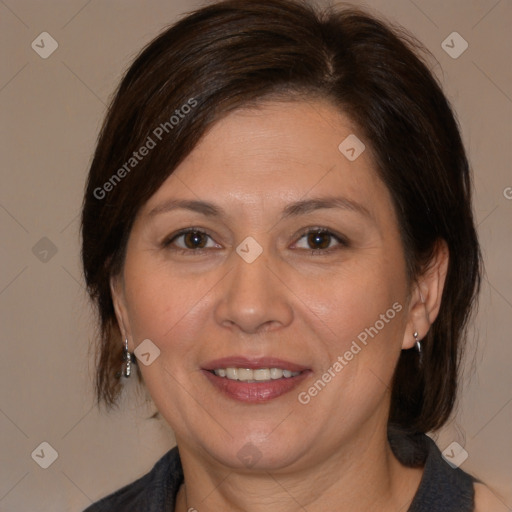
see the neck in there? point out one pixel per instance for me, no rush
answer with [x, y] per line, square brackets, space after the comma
[363, 475]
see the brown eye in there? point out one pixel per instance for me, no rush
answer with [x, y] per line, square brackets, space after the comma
[195, 240]
[190, 240]
[319, 240]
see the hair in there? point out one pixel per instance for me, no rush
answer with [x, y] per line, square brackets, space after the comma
[233, 54]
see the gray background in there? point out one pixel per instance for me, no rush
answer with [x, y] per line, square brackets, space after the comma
[51, 110]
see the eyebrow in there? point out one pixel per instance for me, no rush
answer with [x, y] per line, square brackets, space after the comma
[203, 207]
[300, 207]
[309, 205]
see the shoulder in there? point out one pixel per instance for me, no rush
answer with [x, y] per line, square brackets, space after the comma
[486, 499]
[443, 487]
[154, 491]
[447, 488]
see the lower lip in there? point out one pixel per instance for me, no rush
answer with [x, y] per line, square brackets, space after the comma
[255, 392]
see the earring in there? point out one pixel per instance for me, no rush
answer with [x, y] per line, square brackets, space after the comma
[127, 357]
[418, 345]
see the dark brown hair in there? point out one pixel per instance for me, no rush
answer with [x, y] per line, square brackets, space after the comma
[233, 54]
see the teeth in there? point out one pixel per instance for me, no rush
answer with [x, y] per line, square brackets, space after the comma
[276, 373]
[232, 373]
[258, 375]
[261, 374]
[244, 374]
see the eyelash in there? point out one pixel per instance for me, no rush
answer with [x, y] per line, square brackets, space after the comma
[343, 242]
[180, 250]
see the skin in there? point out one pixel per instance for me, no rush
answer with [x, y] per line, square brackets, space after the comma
[488, 499]
[289, 303]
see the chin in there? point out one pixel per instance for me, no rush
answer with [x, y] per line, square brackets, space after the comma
[264, 451]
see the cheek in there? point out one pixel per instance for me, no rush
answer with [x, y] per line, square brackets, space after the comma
[360, 321]
[171, 310]
[358, 316]
[356, 299]
[162, 303]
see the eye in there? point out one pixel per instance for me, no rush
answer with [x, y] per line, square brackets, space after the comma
[190, 239]
[320, 240]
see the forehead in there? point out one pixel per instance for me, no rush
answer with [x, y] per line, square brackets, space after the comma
[276, 153]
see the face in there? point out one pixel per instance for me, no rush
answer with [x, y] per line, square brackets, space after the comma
[268, 250]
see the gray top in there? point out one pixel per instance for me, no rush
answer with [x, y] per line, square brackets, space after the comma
[442, 488]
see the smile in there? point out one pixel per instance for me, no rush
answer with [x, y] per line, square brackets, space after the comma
[254, 375]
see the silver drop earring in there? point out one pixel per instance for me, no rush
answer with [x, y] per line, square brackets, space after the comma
[127, 358]
[418, 345]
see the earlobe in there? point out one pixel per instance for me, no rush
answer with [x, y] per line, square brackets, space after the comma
[426, 296]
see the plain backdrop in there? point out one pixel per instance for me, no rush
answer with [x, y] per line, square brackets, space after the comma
[51, 110]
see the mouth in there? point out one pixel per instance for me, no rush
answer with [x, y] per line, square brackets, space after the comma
[256, 375]
[254, 380]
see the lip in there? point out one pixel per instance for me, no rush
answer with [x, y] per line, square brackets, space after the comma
[255, 392]
[254, 363]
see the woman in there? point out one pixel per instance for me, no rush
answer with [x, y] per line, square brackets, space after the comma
[277, 232]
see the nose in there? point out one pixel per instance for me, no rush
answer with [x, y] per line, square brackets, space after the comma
[253, 298]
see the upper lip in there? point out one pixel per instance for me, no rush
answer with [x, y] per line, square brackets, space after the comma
[253, 363]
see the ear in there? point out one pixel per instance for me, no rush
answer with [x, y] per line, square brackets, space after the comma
[118, 299]
[426, 296]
